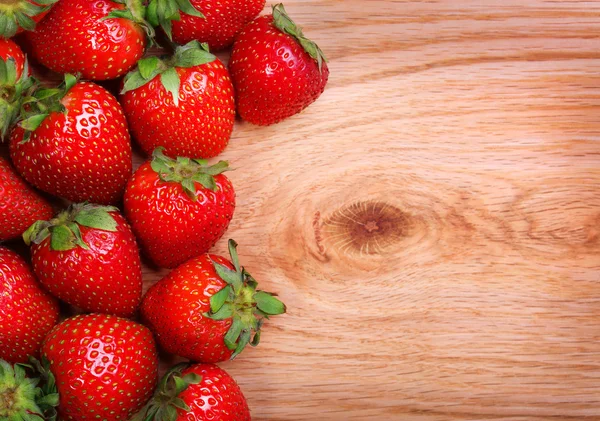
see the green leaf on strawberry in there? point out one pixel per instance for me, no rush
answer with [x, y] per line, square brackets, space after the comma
[241, 302]
[23, 14]
[189, 55]
[27, 397]
[187, 171]
[64, 231]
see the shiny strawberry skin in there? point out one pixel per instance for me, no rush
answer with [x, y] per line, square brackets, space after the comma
[20, 204]
[8, 49]
[75, 38]
[27, 312]
[170, 226]
[107, 278]
[199, 127]
[106, 367]
[174, 308]
[223, 19]
[83, 156]
[216, 397]
[274, 77]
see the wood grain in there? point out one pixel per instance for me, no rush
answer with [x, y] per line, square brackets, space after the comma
[433, 220]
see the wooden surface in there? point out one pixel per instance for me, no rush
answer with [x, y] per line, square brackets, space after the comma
[433, 220]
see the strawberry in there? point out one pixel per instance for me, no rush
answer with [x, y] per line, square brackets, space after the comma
[276, 71]
[197, 392]
[88, 257]
[20, 205]
[19, 15]
[27, 312]
[194, 90]
[100, 39]
[75, 144]
[215, 22]
[178, 208]
[208, 309]
[10, 50]
[15, 83]
[105, 367]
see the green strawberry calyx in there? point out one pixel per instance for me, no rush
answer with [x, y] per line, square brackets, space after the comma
[64, 230]
[241, 302]
[134, 11]
[163, 12]
[284, 23]
[163, 405]
[40, 103]
[14, 92]
[187, 172]
[24, 398]
[15, 14]
[189, 55]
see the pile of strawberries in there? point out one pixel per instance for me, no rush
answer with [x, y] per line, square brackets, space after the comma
[72, 141]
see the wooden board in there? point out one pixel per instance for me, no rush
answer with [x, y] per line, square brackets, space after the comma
[433, 220]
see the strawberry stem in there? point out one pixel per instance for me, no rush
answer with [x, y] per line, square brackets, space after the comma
[243, 303]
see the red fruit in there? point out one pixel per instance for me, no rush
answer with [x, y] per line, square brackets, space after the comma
[19, 15]
[27, 312]
[8, 50]
[75, 37]
[207, 390]
[208, 309]
[13, 84]
[199, 122]
[105, 367]
[276, 71]
[180, 208]
[20, 205]
[87, 256]
[222, 21]
[84, 155]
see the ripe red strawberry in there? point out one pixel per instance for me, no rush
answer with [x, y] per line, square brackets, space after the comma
[75, 37]
[178, 208]
[215, 22]
[8, 50]
[193, 90]
[27, 312]
[197, 392]
[105, 367]
[81, 155]
[20, 205]
[14, 83]
[19, 15]
[208, 309]
[276, 71]
[88, 257]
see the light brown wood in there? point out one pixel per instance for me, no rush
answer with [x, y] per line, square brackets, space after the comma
[433, 220]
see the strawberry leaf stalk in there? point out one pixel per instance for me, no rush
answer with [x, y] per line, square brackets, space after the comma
[187, 172]
[186, 56]
[43, 101]
[241, 302]
[24, 398]
[15, 90]
[64, 229]
[165, 402]
[283, 21]
[163, 12]
[134, 11]
[16, 15]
